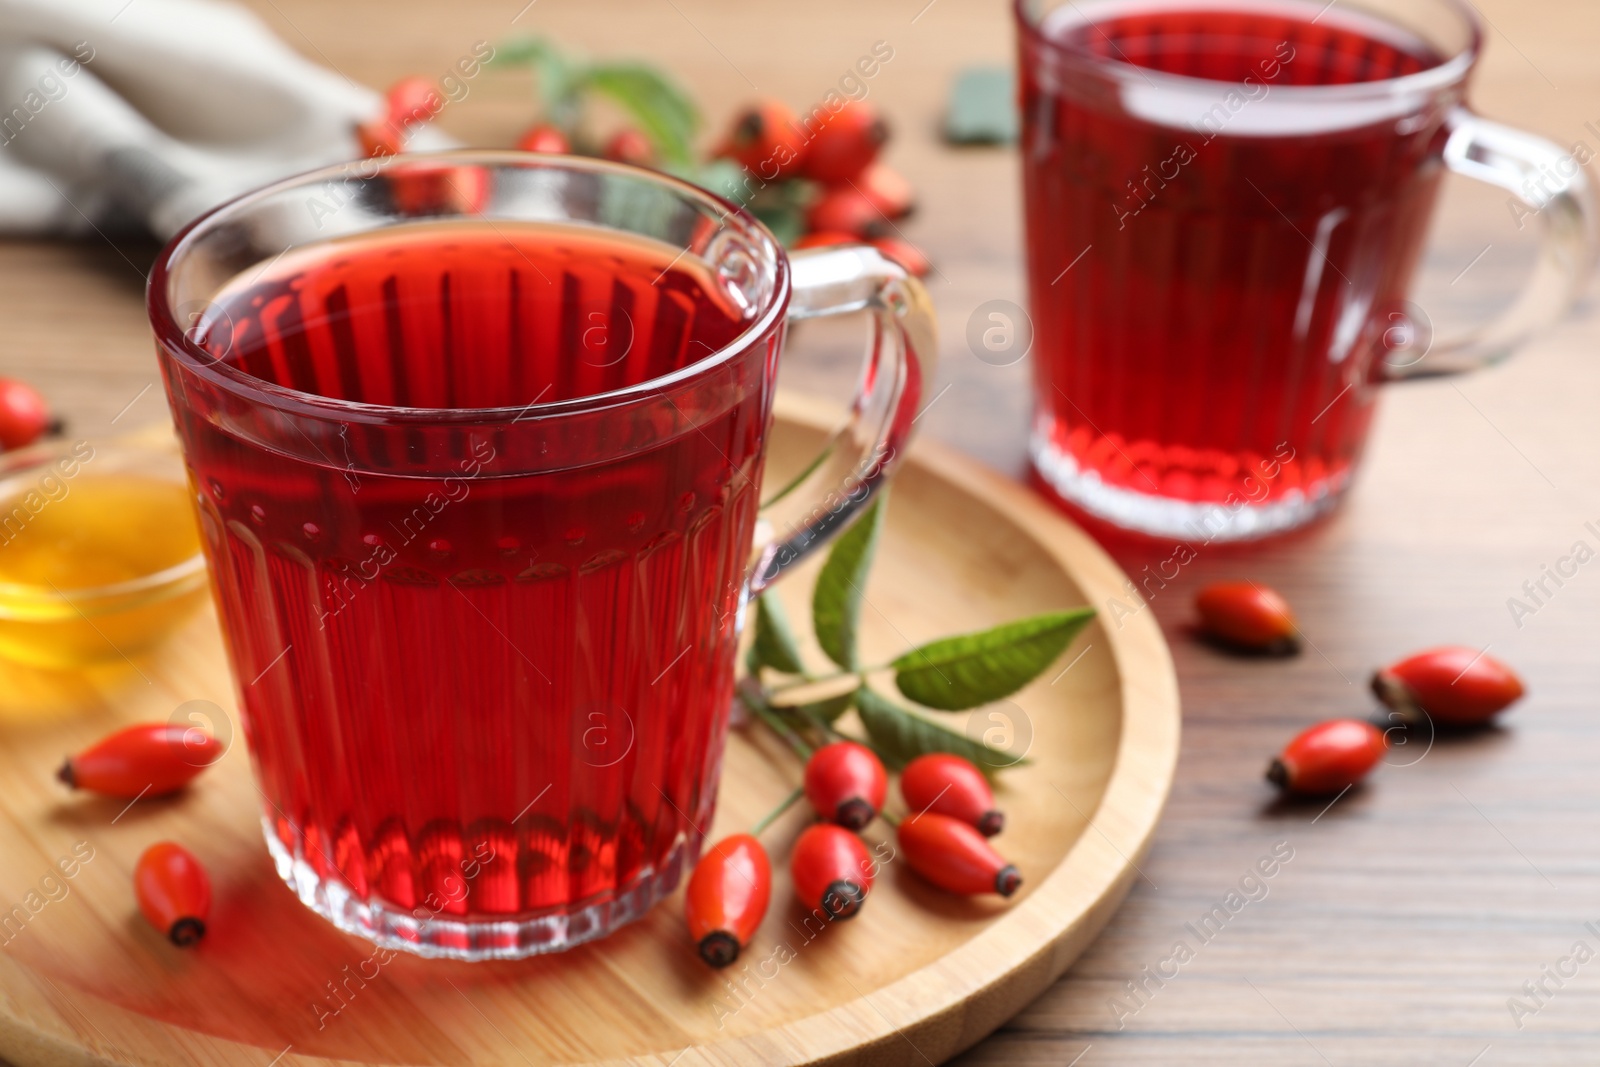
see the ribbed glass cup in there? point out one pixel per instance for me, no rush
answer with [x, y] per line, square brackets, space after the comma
[476, 443]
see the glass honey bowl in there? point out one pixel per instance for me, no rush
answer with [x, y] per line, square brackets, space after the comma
[100, 557]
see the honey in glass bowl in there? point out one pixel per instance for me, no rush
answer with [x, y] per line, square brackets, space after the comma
[100, 558]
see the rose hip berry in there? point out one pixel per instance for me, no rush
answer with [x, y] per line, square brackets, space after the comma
[1453, 685]
[766, 140]
[1327, 757]
[379, 139]
[150, 759]
[949, 785]
[630, 146]
[954, 856]
[844, 209]
[24, 416]
[174, 892]
[846, 144]
[546, 139]
[412, 101]
[906, 254]
[832, 870]
[1248, 616]
[727, 897]
[846, 784]
[825, 239]
[888, 189]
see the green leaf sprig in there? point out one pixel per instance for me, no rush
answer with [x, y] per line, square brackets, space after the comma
[663, 112]
[950, 674]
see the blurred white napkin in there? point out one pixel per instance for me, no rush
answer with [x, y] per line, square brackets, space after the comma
[117, 114]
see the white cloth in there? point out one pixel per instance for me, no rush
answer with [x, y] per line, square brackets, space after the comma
[144, 113]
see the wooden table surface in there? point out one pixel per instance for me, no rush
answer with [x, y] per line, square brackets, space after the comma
[1415, 908]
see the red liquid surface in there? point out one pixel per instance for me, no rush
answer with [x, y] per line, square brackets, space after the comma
[1219, 339]
[504, 694]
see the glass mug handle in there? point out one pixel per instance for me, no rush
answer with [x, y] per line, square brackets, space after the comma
[1534, 171]
[901, 356]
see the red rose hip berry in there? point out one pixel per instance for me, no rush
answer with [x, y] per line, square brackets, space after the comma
[1328, 757]
[174, 892]
[949, 785]
[24, 416]
[904, 253]
[545, 139]
[1452, 685]
[832, 870]
[846, 784]
[1248, 616]
[412, 101]
[727, 897]
[825, 239]
[151, 759]
[844, 209]
[955, 856]
[631, 146]
[766, 140]
[379, 139]
[846, 144]
[888, 189]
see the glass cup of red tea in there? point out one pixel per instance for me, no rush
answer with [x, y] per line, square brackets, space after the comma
[476, 444]
[1226, 201]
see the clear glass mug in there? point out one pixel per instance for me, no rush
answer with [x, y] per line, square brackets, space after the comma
[1221, 238]
[485, 651]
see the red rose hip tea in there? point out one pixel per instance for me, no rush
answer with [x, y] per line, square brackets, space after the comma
[1226, 202]
[592, 580]
[478, 499]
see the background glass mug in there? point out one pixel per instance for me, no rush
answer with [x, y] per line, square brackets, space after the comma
[1225, 202]
[475, 441]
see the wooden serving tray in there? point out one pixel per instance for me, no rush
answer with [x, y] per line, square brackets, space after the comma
[918, 976]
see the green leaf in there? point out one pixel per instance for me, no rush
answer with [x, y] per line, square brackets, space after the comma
[775, 645]
[956, 673]
[828, 710]
[664, 113]
[901, 736]
[836, 601]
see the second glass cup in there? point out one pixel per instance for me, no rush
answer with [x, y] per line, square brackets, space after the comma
[1226, 202]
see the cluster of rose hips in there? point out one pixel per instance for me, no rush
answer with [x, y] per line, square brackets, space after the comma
[154, 760]
[944, 839]
[1454, 687]
[828, 162]
[851, 194]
